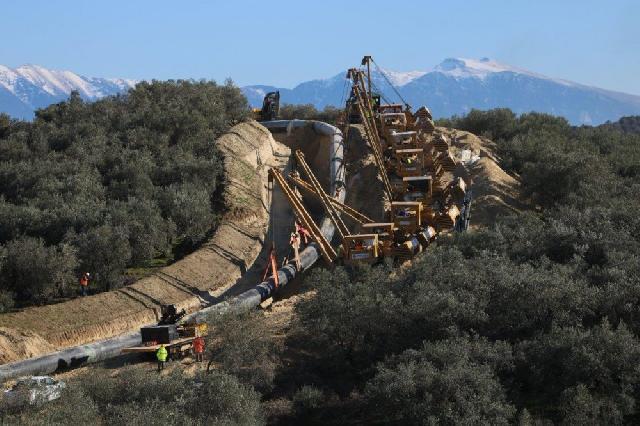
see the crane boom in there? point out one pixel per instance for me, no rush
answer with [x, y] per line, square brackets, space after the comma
[342, 229]
[363, 105]
[327, 252]
[349, 211]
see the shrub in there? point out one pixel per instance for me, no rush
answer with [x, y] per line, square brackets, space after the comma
[104, 252]
[242, 348]
[308, 404]
[34, 271]
[450, 382]
[135, 396]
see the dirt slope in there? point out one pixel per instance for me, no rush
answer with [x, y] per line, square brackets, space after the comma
[197, 279]
[495, 192]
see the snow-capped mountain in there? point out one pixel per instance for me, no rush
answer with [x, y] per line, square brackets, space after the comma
[29, 87]
[457, 85]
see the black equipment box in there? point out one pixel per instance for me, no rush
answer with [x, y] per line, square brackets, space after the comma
[159, 333]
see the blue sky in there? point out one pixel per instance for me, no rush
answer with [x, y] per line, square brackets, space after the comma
[286, 42]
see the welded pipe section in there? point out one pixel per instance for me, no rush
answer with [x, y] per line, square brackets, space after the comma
[98, 351]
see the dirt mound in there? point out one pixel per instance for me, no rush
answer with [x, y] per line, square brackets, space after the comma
[365, 191]
[196, 280]
[495, 192]
[17, 344]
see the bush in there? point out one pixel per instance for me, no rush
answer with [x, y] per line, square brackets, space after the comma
[135, 396]
[450, 382]
[561, 366]
[36, 272]
[6, 301]
[242, 348]
[330, 114]
[73, 407]
[104, 252]
[308, 404]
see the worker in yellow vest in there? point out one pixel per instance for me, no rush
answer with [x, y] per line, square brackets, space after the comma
[161, 354]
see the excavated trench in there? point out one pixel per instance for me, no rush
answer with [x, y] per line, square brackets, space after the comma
[225, 274]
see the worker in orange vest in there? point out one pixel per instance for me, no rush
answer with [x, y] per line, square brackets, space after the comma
[84, 283]
[198, 348]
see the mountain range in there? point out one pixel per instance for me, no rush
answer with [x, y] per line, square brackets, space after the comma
[29, 87]
[453, 87]
[457, 85]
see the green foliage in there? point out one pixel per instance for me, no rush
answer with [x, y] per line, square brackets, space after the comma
[123, 179]
[629, 124]
[6, 301]
[105, 251]
[74, 407]
[139, 397]
[37, 272]
[584, 373]
[242, 348]
[329, 114]
[449, 382]
[308, 403]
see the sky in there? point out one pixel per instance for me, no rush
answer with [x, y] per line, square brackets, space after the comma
[283, 43]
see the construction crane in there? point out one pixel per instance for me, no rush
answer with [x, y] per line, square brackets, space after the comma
[363, 105]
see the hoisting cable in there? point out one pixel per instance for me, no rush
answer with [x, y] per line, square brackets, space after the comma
[391, 84]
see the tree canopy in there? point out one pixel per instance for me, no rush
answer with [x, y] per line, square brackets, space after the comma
[103, 186]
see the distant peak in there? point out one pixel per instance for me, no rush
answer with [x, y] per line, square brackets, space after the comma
[464, 67]
[451, 64]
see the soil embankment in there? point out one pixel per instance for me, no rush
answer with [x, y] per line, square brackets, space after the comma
[495, 192]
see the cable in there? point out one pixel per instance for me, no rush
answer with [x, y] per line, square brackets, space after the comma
[384, 98]
[390, 84]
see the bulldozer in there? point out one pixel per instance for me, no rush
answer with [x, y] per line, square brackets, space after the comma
[270, 107]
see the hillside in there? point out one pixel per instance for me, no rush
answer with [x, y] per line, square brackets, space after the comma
[456, 86]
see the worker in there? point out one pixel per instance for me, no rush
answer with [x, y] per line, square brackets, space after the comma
[198, 348]
[84, 283]
[302, 231]
[161, 354]
[295, 244]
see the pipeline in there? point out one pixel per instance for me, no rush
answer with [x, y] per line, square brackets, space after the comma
[104, 349]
